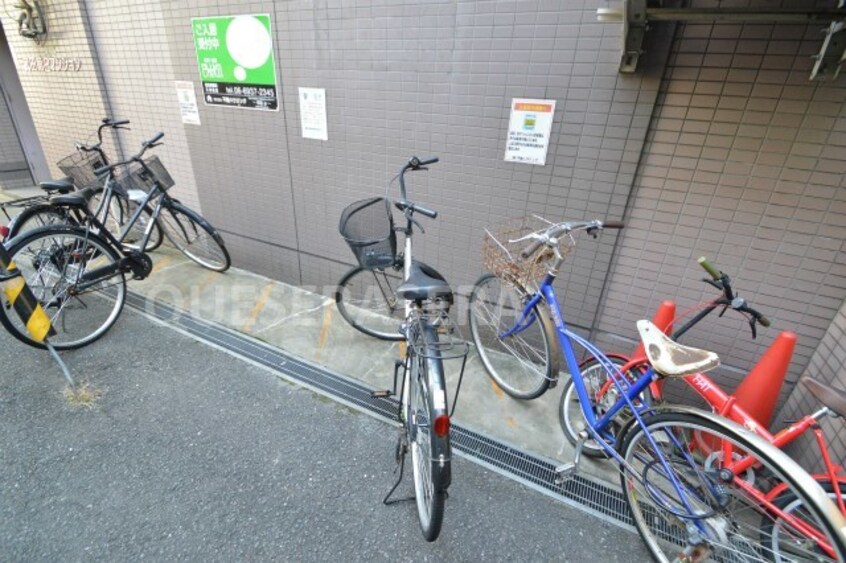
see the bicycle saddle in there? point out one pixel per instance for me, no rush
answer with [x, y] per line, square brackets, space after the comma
[420, 286]
[76, 199]
[670, 358]
[833, 398]
[63, 186]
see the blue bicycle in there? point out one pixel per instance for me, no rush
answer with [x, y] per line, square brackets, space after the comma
[675, 462]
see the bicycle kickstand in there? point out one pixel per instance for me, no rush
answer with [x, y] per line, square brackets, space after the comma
[61, 363]
[402, 449]
[567, 471]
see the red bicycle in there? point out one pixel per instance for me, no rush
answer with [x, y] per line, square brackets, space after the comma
[771, 494]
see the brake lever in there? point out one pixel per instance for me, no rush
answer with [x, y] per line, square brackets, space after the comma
[723, 312]
[752, 322]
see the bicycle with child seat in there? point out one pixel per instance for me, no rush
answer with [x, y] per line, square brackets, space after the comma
[687, 504]
[78, 271]
[419, 379]
[113, 208]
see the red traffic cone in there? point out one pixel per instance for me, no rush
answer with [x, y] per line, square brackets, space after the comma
[663, 319]
[758, 393]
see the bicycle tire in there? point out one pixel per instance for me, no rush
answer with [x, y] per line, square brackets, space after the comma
[570, 415]
[726, 526]
[37, 216]
[368, 301]
[522, 378]
[46, 257]
[790, 504]
[430, 453]
[194, 237]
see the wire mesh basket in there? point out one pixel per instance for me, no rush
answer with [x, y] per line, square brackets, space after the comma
[368, 227]
[502, 258]
[137, 177]
[80, 167]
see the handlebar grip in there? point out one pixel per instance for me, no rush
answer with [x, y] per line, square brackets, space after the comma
[430, 160]
[613, 225]
[121, 122]
[529, 250]
[156, 138]
[102, 170]
[430, 213]
[763, 321]
[710, 268]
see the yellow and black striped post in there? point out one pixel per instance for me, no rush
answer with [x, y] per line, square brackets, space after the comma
[22, 299]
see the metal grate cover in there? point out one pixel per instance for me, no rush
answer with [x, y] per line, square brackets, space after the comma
[537, 472]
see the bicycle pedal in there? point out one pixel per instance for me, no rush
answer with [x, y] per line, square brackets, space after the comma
[565, 472]
[381, 394]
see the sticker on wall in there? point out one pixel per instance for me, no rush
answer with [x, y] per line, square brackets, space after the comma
[528, 130]
[235, 58]
[313, 113]
[187, 102]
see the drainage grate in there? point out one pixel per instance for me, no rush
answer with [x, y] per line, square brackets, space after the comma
[538, 472]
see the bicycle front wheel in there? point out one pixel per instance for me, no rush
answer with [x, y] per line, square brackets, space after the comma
[367, 299]
[429, 435]
[524, 362]
[603, 394]
[52, 261]
[194, 237]
[687, 505]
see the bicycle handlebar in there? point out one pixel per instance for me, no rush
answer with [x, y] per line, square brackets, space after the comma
[152, 142]
[553, 232]
[415, 163]
[721, 280]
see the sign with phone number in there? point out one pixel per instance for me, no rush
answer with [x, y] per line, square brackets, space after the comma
[235, 59]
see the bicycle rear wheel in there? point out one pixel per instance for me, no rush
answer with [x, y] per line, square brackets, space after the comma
[51, 260]
[195, 237]
[367, 299]
[428, 428]
[523, 363]
[715, 516]
[39, 216]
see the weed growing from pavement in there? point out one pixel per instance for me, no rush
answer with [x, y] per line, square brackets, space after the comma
[83, 396]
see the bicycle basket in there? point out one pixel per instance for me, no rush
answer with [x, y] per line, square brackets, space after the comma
[502, 258]
[368, 227]
[136, 177]
[80, 167]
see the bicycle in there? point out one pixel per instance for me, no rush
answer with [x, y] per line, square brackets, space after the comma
[79, 270]
[112, 206]
[423, 410]
[687, 504]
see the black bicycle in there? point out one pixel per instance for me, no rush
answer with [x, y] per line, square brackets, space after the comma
[419, 381]
[78, 271]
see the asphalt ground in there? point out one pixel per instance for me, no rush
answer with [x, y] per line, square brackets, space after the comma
[193, 454]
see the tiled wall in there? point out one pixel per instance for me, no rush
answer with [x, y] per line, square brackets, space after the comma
[13, 168]
[827, 366]
[66, 106]
[744, 163]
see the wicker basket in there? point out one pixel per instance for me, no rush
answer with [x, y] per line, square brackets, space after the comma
[368, 227]
[502, 258]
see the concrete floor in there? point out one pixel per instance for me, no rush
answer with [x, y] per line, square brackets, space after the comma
[308, 325]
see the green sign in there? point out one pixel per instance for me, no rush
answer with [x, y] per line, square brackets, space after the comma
[235, 58]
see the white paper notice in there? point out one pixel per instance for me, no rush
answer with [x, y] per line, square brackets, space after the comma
[313, 113]
[187, 102]
[528, 130]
